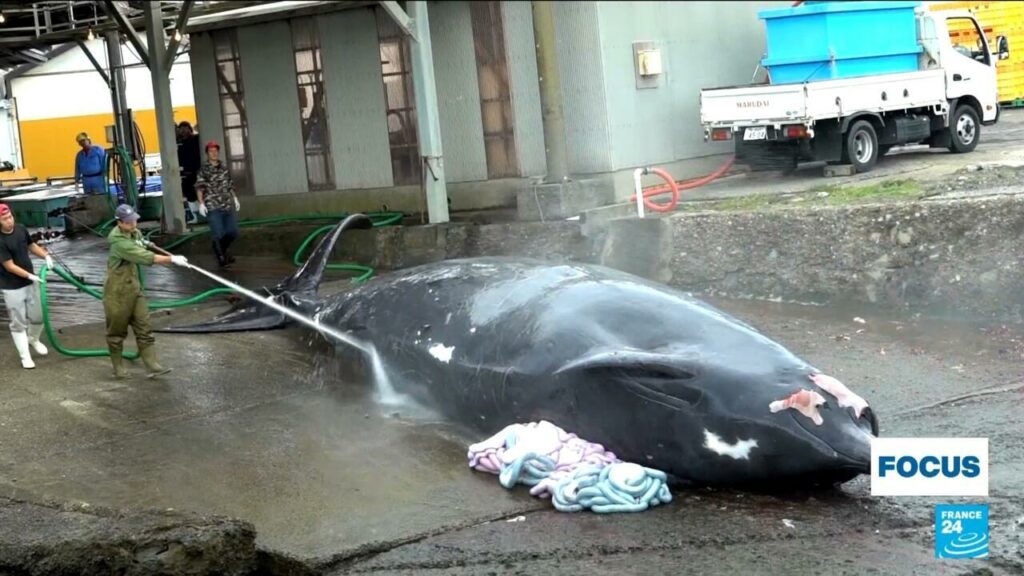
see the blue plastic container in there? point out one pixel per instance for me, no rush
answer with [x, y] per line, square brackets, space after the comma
[830, 40]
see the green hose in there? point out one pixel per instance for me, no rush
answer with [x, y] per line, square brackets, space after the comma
[378, 218]
[52, 334]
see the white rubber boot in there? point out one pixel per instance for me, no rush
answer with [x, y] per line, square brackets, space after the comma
[33, 339]
[21, 343]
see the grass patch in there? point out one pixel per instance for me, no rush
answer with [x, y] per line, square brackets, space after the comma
[831, 195]
[887, 190]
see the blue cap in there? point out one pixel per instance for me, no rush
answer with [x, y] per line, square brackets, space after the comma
[126, 213]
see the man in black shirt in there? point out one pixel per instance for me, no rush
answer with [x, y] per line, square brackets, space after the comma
[190, 162]
[20, 286]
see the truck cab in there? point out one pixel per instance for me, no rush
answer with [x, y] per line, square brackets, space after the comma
[955, 42]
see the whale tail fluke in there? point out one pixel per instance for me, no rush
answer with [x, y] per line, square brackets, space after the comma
[297, 291]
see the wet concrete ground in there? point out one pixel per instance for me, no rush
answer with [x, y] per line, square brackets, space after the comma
[267, 428]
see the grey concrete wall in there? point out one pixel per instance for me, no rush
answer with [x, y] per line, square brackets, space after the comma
[521, 52]
[458, 92]
[355, 99]
[272, 108]
[581, 68]
[703, 45]
[204, 84]
[958, 258]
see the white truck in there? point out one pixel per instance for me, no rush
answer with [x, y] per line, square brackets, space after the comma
[856, 120]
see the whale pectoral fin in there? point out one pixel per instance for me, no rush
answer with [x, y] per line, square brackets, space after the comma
[664, 378]
[239, 319]
[670, 366]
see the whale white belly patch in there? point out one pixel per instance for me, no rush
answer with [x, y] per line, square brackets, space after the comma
[442, 352]
[738, 451]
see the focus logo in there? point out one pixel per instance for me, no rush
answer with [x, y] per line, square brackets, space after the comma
[961, 531]
[929, 467]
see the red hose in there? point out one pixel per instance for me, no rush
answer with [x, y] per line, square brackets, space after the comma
[675, 187]
[671, 186]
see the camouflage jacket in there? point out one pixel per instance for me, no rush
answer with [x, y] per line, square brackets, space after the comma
[215, 180]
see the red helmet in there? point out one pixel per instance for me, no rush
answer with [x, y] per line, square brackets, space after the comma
[212, 144]
[4, 209]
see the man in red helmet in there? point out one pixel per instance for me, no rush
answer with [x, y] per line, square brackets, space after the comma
[218, 202]
[20, 286]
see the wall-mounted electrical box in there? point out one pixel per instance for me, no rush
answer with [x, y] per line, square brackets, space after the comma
[647, 64]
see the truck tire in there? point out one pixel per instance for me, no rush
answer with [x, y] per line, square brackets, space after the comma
[860, 147]
[964, 130]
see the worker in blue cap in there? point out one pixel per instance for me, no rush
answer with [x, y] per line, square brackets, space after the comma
[124, 303]
[90, 166]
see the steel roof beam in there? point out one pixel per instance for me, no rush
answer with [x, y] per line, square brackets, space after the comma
[402, 20]
[179, 32]
[126, 27]
[95, 63]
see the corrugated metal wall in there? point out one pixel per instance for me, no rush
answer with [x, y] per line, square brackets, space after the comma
[458, 92]
[204, 82]
[355, 99]
[580, 65]
[522, 70]
[355, 95]
[702, 46]
[272, 109]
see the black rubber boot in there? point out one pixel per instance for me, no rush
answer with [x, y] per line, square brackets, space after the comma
[225, 243]
[219, 252]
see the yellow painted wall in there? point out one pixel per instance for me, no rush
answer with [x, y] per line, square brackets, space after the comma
[49, 147]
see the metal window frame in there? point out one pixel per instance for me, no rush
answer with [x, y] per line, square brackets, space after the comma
[491, 51]
[406, 151]
[319, 87]
[238, 98]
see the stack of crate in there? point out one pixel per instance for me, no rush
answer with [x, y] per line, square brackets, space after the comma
[999, 19]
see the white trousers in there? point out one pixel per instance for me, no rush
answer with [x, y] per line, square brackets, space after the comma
[24, 308]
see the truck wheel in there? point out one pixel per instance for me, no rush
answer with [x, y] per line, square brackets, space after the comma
[964, 130]
[861, 146]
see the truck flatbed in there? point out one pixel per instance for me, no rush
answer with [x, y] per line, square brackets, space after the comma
[778, 104]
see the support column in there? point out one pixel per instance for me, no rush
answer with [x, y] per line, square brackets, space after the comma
[428, 119]
[174, 209]
[550, 92]
[122, 123]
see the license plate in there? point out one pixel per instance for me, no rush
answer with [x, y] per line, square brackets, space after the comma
[756, 133]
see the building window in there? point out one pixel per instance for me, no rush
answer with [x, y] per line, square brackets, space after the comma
[232, 106]
[312, 111]
[495, 92]
[396, 70]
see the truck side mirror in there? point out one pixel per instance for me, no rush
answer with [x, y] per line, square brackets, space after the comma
[1003, 47]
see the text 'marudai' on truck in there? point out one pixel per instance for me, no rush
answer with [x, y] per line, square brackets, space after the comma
[850, 80]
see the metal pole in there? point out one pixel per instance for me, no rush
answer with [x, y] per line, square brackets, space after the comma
[122, 124]
[428, 119]
[550, 92]
[170, 174]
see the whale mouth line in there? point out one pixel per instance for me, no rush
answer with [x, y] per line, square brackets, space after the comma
[850, 461]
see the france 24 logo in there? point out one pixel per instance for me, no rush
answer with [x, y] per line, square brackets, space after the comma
[929, 467]
[961, 531]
